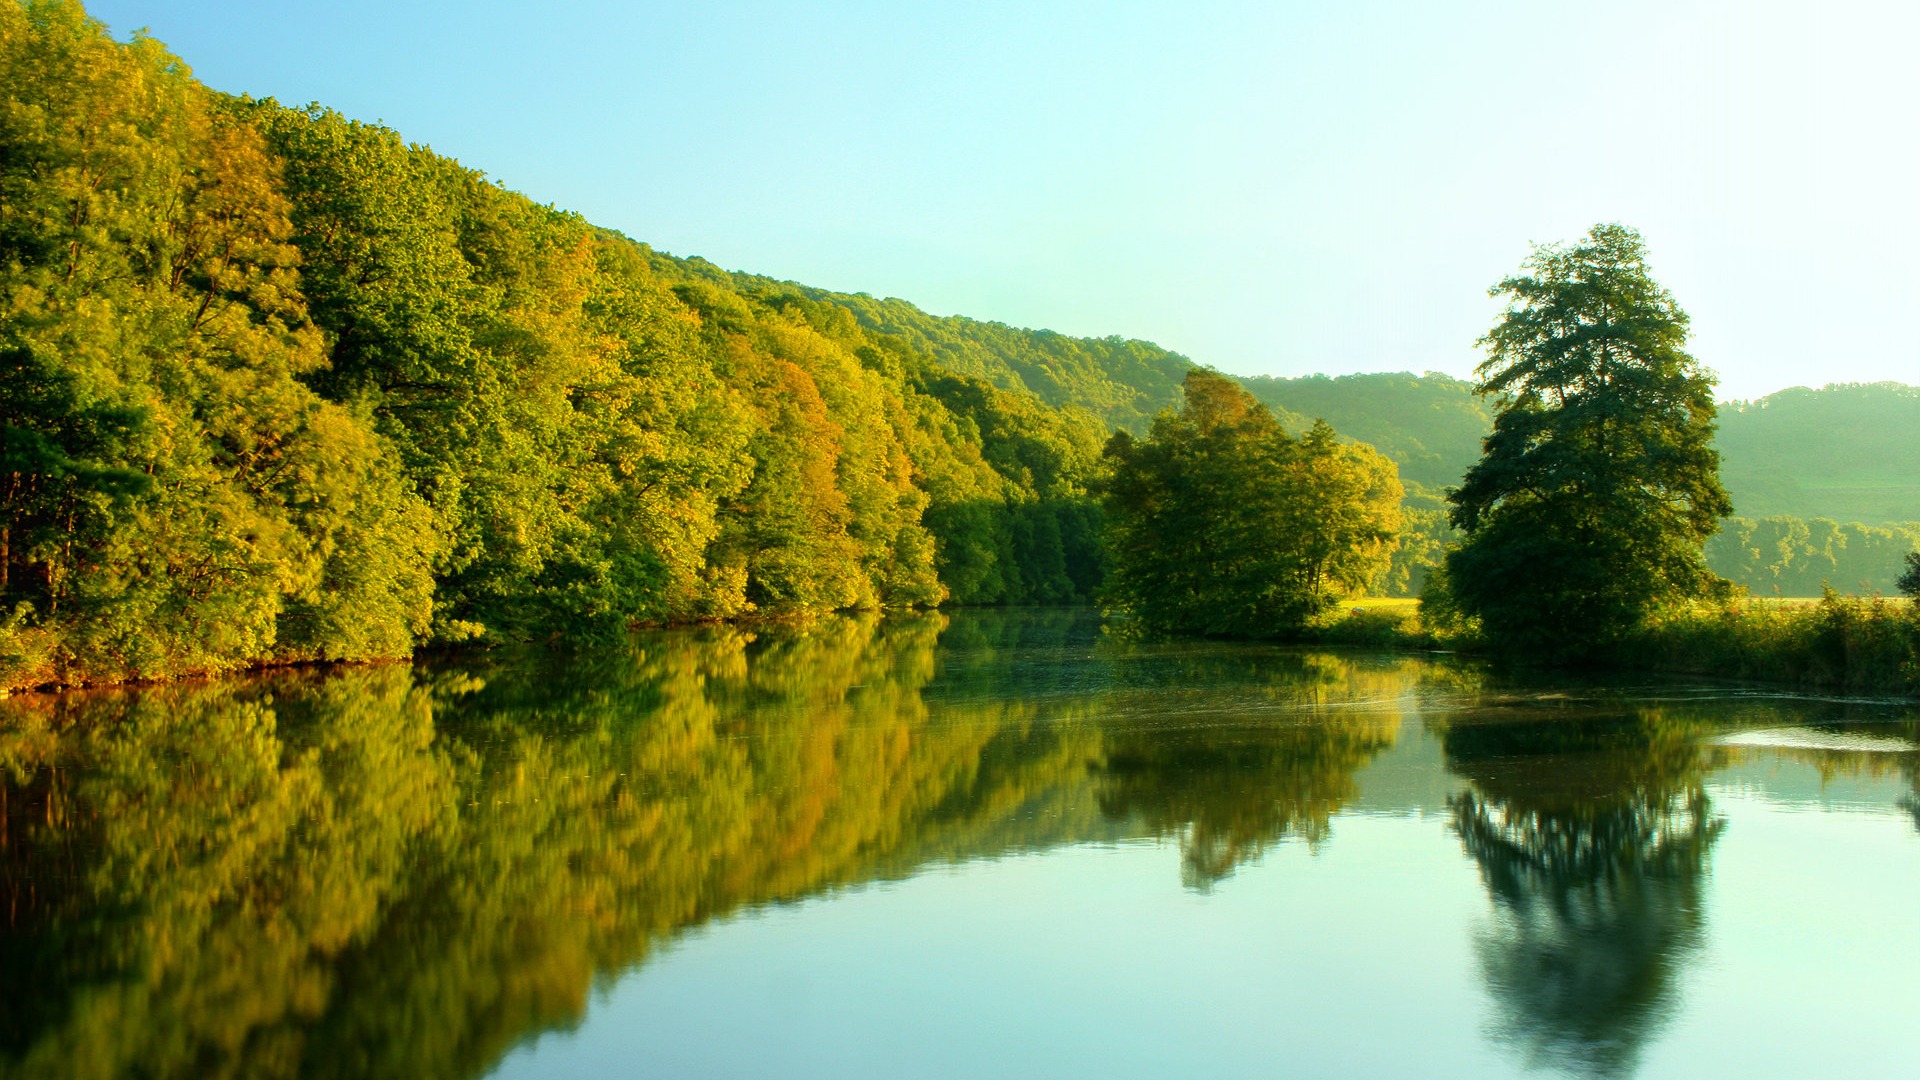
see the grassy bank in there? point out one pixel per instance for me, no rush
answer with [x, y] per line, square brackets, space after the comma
[1851, 644]
[1377, 622]
[1835, 643]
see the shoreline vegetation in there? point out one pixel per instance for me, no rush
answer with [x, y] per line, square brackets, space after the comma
[1832, 644]
[1836, 644]
[278, 388]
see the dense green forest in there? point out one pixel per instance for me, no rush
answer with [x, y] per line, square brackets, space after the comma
[1430, 425]
[1787, 556]
[1825, 483]
[1849, 451]
[279, 386]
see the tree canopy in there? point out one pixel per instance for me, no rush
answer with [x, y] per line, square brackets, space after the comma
[1222, 524]
[276, 385]
[1599, 482]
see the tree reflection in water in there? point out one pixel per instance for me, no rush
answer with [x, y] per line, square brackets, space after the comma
[404, 872]
[1276, 765]
[1592, 835]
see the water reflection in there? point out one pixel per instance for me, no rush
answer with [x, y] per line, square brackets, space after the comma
[1272, 764]
[1592, 834]
[406, 872]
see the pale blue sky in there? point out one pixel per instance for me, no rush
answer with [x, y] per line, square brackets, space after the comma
[1273, 188]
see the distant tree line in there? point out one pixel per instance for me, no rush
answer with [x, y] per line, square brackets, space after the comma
[1785, 556]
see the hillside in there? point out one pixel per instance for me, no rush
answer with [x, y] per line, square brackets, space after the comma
[1849, 452]
[1430, 425]
[1123, 383]
[278, 386]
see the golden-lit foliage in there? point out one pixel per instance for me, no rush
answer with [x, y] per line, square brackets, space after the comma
[276, 385]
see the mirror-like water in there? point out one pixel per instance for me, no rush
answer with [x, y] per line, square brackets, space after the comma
[984, 844]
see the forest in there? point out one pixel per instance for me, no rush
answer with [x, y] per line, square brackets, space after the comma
[281, 387]
[277, 386]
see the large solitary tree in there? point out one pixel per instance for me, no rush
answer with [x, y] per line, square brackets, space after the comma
[1599, 482]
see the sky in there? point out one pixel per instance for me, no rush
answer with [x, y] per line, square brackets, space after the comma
[1269, 188]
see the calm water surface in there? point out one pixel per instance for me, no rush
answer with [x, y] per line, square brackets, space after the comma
[977, 845]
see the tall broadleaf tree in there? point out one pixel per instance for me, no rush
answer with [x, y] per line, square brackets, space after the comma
[1599, 482]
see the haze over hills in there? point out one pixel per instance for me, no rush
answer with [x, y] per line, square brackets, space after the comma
[1850, 452]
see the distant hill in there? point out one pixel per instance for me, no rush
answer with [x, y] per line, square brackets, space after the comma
[1849, 452]
[1846, 452]
[1430, 425]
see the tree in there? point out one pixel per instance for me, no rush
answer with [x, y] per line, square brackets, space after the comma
[1221, 524]
[1599, 482]
[1909, 581]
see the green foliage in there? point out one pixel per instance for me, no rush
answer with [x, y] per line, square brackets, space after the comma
[1598, 485]
[1221, 524]
[1121, 382]
[1790, 557]
[1430, 425]
[172, 485]
[1840, 643]
[278, 386]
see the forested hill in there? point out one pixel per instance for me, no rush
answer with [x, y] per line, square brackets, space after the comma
[1846, 452]
[278, 386]
[1430, 425]
[1122, 382]
[1850, 452]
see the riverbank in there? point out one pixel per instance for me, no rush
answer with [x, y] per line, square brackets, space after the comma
[1836, 644]
[31, 659]
[1859, 645]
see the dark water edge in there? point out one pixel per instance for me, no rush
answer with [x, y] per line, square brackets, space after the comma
[459, 867]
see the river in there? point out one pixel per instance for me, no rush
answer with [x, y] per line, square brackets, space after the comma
[970, 844]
